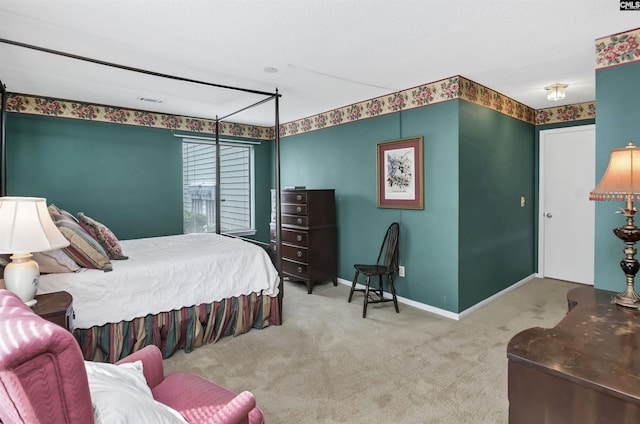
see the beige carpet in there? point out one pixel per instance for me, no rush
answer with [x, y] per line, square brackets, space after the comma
[326, 364]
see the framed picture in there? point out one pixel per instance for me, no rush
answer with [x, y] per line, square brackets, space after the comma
[400, 174]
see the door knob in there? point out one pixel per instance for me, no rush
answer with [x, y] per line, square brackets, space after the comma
[549, 215]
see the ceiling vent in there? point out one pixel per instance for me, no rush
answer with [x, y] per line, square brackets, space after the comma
[150, 100]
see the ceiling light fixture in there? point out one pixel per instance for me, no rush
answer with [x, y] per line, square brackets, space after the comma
[556, 92]
[270, 70]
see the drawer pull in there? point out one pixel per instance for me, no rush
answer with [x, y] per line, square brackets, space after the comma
[299, 197]
[299, 269]
[299, 209]
[299, 253]
[299, 220]
[299, 237]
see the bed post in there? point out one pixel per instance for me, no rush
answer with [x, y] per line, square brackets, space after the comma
[278, 201]
[217, 175]
[3, 146]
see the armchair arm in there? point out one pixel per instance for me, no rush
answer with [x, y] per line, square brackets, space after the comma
[151, 358]
[235, 411]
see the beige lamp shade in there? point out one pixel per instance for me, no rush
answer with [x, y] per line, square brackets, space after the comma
[622, 176]
[26, 226]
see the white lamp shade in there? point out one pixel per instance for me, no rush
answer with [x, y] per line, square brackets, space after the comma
[26, 226]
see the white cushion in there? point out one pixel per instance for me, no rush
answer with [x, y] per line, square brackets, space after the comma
[120, 394]
[55, 261]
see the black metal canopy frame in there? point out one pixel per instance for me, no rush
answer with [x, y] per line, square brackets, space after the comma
[268, 97]
[3, 147]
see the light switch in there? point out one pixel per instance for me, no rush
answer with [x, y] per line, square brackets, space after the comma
[522, 201]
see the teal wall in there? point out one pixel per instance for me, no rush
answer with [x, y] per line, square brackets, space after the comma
[128, 177]
[473, 239]
[264, 174]
[617, 123]
[344, 157]
[497, 236]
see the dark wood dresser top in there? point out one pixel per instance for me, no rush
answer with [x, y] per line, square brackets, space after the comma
[595, 346]
[52, 303]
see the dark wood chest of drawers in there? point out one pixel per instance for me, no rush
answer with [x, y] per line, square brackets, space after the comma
[309, 238]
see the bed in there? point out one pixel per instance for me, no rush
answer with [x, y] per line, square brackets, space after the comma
[116, 315]
[176, 292]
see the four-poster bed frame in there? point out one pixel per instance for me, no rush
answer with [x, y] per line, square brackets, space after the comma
[276, 258]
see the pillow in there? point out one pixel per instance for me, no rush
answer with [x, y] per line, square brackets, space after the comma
[54, 209]
[83, 249]
[102, 235]
[120, 394]
[55, 261]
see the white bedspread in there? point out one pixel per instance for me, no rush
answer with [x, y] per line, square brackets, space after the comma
[163, 274]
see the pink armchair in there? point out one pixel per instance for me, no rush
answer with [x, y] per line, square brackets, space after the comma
[43, 378]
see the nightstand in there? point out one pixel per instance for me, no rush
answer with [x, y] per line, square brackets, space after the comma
[56, 307]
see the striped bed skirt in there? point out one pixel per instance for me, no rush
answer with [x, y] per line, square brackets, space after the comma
[187, 328]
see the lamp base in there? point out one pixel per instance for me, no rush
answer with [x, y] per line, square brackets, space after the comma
[628, 298]
[629, 234]
[22, 277]
[31, 303]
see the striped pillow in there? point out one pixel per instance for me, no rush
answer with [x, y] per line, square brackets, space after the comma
[83, 249]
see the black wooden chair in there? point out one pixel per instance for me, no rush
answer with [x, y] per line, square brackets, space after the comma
[386, 265]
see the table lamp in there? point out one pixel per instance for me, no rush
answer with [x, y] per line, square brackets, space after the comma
[25, 227]
[621, 182]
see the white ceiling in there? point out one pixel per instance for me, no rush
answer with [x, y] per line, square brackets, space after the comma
[329, 53]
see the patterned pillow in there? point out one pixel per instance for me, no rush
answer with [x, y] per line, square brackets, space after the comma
[83, 249]
[102, 235]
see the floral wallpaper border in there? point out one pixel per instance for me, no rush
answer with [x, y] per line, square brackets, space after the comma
[617, 49]
[436, 92]
[456, 87]
[76, 110]
[423, 95]
[611, 50]
[491, 99]
[568, 113]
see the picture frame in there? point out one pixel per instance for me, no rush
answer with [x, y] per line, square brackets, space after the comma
[400, 173]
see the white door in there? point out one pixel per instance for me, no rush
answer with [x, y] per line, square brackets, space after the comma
[567, 221]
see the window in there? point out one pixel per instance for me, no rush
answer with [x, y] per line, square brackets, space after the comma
[199, 187]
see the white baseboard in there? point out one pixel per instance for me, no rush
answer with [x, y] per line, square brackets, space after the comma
[495, 296]
[405, 301]
[444, 312]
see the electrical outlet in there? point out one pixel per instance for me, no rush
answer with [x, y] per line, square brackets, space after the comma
[522, 201]
[401, 271]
